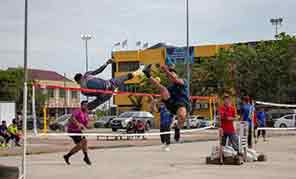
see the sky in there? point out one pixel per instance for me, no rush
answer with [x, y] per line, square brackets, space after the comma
[55, 27]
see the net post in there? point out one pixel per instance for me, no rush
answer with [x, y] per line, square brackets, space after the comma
[211, 110]
[34, 109]
[44, 119]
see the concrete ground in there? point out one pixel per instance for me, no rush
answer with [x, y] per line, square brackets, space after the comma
[184, 161]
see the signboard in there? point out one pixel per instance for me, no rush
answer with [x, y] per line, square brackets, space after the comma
[7, 111]
[178, 55]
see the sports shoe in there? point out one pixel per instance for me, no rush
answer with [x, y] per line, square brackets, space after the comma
[110, 61]
[66, 158]
[147, 71]
[139, 72]
[167, 148]
[158, 79]
[87, 161]
[163, 146]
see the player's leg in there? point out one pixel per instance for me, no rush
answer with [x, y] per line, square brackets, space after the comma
[85, 151]
[181, 116]
[100, 99]
[78, 146]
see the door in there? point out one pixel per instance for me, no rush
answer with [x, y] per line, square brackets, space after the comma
[289, 120]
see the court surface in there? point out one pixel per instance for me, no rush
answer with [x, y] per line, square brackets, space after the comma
[183, 161]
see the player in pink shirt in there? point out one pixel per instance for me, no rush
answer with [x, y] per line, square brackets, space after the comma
[77, 123]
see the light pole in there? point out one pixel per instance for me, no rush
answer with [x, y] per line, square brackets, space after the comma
[86, 37]
[276, 22]
[25, 92]
[112, 49]
[187, 53]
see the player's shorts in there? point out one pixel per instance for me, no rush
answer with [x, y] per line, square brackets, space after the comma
[173, 105]
[77, 139]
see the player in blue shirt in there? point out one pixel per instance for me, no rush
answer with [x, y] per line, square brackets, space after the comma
[166, 119]
[261, 122]
[247, 114]
[175, 96]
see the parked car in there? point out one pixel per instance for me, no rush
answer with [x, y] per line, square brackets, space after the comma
[194, 121]
[126, 119]
[104, 122]
[273, 115]
[285, 121]
[30, 123]
[60, 123]
[204, 123]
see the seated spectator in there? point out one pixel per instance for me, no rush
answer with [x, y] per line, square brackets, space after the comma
[2, 142]
[140, 126]
[4, 134]
[13, 131]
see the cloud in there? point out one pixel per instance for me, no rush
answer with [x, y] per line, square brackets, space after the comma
[55, 27]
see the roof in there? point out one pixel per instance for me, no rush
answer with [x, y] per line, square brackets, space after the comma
[37, 74]
[161, 45]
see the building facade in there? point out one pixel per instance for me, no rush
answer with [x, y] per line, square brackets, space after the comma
[58, 101]
[127, 61]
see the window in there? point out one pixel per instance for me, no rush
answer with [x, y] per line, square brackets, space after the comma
[197, 106]
[128, 66]
[205, 106]
[289, 117]
[74, 95]
[50, 92]
[126, 114]
[62, 93]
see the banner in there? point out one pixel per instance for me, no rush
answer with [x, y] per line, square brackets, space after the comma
[178, 55]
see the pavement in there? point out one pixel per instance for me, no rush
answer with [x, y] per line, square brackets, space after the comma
[46, 144]
[40, 145]
[184, 161]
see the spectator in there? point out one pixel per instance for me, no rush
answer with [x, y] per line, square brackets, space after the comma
[227, 115]
[166, 119]
[13, 131]
[4, 134]
[140, 126]
[261, 122]
[19, 120]
[2, 142]
[247, 114]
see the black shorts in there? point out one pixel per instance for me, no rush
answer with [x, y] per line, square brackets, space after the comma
[77, 139]
[173, 105]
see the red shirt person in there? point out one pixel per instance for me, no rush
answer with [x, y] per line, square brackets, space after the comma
[227, 116]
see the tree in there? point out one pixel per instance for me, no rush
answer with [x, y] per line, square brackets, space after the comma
[11, 82]
[265, 71]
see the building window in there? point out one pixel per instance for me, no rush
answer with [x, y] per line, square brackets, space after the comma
[128, 66]
[197, 106]
[74, 95]
[62, 93]
[50, 92]
[205, 106]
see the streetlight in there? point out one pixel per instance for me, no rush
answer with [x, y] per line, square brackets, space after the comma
[112, 50]
[276, 22]
[187, 53]
[86, 37]
[187, 45]
[25, 92]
